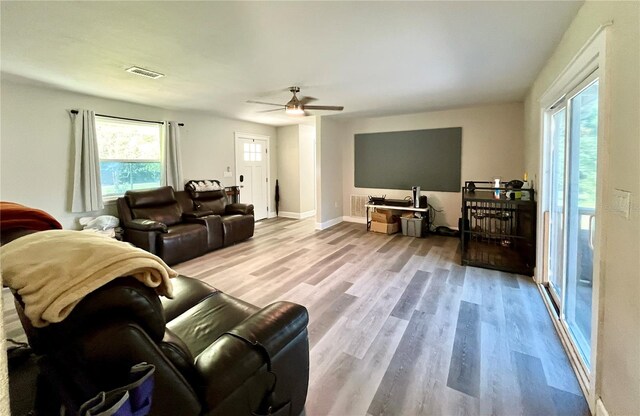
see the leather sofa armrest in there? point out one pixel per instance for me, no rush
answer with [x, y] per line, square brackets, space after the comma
[196, 214]
[145, 240]
[230, 361]
[109, 349]
[243, 209]
[178, 353]
[146, 225]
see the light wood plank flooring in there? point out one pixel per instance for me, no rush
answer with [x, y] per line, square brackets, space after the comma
[398, 327]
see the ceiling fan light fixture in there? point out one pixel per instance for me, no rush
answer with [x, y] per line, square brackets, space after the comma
[298, 107]
[294, 110]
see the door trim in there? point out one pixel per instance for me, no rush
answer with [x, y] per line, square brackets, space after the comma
[592, 56]
[252, 136]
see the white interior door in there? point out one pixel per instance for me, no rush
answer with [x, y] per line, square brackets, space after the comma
[252, 172]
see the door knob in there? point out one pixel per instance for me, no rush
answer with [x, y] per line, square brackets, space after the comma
[241, 178]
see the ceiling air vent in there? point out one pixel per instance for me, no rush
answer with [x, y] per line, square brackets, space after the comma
[144, 72]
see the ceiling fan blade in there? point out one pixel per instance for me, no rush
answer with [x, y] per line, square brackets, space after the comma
[262, 102]
[304, 100]
[270, 111]
[324, 107]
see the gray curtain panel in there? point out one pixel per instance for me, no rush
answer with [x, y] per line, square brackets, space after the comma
[87, 190]
[171, 158]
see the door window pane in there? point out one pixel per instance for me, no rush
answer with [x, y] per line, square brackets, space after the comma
[252, 152]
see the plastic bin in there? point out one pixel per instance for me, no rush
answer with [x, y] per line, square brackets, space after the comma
[412, 227]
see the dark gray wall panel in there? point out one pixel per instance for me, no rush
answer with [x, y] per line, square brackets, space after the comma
[430, 159]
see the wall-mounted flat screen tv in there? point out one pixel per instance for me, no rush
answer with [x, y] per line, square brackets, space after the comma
[428, 158]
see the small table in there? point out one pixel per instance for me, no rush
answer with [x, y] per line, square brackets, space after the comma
[393, 207]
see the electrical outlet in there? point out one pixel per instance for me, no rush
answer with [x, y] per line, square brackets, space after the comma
[621, 203]
[227, 174]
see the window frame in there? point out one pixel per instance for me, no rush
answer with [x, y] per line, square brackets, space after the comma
[110, 199]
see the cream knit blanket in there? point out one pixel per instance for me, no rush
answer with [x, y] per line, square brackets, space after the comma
[53, 270]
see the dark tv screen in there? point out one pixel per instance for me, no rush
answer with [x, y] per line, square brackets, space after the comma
[428, 158]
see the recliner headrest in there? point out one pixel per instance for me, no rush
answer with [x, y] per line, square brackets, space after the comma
[124, 299]
[160, 196]
[206, 195]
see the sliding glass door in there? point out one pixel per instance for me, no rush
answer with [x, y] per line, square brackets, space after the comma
[573, 155]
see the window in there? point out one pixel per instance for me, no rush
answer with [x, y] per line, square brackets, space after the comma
[129, 155]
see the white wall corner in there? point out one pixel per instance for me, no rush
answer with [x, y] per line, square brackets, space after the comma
[330, 223]
[600, 409]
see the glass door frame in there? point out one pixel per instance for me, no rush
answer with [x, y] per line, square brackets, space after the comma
[590, 61]
[549, 118]
[568, 200]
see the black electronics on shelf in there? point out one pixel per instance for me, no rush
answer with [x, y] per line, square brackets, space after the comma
[496, 231]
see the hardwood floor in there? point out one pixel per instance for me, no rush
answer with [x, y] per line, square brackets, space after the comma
[398, 327]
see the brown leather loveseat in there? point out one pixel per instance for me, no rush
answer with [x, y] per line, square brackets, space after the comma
[176, 227]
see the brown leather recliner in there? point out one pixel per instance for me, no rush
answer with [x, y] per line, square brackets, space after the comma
[166, 223]
[210, 350]
[237, 219]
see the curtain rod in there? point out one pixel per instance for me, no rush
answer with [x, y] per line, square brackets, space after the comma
[128, 119]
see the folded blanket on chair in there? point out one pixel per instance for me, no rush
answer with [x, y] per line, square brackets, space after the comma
[18, 216]
[53, 270]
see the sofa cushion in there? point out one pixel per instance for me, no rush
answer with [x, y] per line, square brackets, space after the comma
[201, 325]
[210, 200]
[156, 204]
[169, 214]
[153, 197]
[186, 293]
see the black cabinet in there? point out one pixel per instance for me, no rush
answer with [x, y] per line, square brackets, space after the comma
[498, 232]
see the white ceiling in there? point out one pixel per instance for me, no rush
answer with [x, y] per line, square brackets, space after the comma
[374, 58]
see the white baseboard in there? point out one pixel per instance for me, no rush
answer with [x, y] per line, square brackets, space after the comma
[297, 215]
[308, 214]
[600, 409]
[337, 220]
[271, 214]
[359, 220]
[327, 224]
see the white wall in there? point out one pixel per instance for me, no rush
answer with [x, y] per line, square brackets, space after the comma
[492, 145]
[307, 168]
[289, 169]
[296, 168]
[35, 144]
[330, 135]
[618, 361]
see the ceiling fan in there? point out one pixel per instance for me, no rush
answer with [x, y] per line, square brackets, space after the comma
[298, 106]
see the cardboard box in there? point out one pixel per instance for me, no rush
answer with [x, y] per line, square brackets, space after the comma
[384, 215]
[382, 227]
